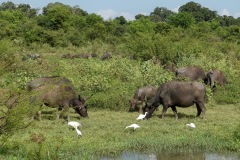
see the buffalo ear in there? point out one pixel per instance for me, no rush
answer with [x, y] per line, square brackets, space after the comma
[77, 107]
[211, 71]
[81, 99]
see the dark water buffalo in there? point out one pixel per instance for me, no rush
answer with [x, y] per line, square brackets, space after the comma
[58, 94]
[141, 96]
[216, 76]
[181, 94]
[54, 80]
[31, 56]
[106, 56]
[82, 55]
[193, 73]
[94, 55]
[68, 56]
[72, 56]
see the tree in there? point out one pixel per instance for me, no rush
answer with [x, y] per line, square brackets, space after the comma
[160, 14]
[182, 19]
[57, 14]
[7, 6]
[162, 28]
[139, 16]
[120, 26]
[198, 12]
[227, 21]
[27, 10]
[121, 20]
[92, 19]
[78, 11]
[143, 25]
[11, 23]
[95, 26]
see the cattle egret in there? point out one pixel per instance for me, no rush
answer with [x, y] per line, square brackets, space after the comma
[74, 124]
[142, 116]
[191, 125]
[134, 126]
[78, 132]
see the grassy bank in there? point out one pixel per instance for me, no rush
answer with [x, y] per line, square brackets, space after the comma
[104, 134]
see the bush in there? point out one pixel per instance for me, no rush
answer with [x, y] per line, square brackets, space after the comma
[7, 56]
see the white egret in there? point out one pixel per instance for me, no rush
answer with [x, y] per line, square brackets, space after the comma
[142, 116]
[134, 126]
[78, 132]
[74, 124]
[191, 125]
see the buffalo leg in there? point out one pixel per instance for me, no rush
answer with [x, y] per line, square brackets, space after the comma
[175, 112]
[140, 107]
[65, 110]
[164, 110]
[199, 110]
[201, 107]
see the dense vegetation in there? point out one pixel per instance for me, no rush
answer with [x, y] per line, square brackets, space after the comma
[144, 51]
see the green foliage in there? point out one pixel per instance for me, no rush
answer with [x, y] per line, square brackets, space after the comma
[160, 14]
[236, 134]
[143, 25]
[14, 116]
[182, 19]
[163, 28]
[154, 74]
[141, 46]
[198, 12]
[7, 56]
[57, 14]
[227, 94]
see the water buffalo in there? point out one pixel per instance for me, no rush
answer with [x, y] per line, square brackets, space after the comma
[193, 73]
[141, 96]
[68, 56]
[216, 76]
[60, 95]
[82, 55]
[94, 55]
[181, 94]
[106, 56]
[56, 80]
[31, 56]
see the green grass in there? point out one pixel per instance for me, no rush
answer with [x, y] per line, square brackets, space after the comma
[104, 134]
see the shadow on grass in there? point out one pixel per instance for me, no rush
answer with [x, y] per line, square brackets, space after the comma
[180, 116]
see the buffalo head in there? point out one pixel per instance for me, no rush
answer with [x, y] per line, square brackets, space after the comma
[149, 109]
[81, 110]
[80, 106]
[133, 103]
